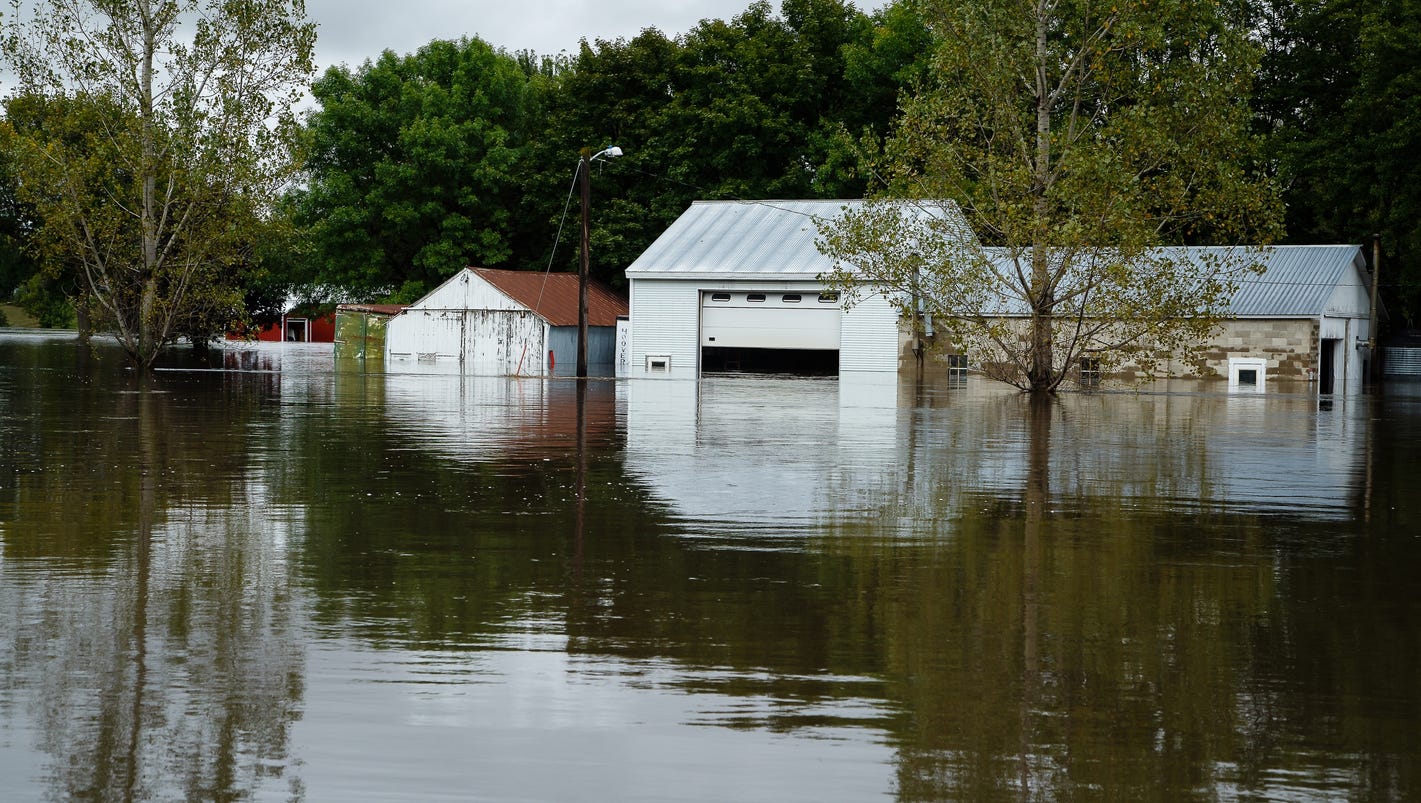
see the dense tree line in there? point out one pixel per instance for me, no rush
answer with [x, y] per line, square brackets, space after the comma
[464, 154]
[461, 154]
[1337, 99]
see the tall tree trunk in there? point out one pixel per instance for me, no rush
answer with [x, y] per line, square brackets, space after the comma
[82, 321]
[1041, 375]
[149, 339]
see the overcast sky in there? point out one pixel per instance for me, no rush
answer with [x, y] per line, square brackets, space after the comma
[351, 31]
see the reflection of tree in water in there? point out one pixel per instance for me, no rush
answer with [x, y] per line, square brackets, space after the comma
[1090, 641]
[1046, 624]
[165, 659]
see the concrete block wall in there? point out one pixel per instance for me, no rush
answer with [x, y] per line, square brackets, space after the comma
[1289, 346]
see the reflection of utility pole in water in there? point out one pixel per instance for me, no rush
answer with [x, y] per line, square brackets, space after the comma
[580, 481]
[1367, 455]
[1036, 497]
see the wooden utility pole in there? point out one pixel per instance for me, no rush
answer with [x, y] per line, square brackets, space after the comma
[584, 167]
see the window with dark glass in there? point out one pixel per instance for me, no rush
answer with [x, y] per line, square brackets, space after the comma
[1090, 371]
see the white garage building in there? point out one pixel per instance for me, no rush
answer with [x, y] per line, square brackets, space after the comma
[504, 323]
[734, 285]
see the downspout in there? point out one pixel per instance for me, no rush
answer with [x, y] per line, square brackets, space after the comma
[917, 318]
[1372, 321]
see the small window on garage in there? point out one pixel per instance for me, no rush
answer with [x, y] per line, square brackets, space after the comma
[755, 297]
[790, 298]
[828, 298]
[957, 362]
[720, 296]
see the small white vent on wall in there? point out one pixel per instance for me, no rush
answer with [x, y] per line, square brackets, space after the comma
[658, 363]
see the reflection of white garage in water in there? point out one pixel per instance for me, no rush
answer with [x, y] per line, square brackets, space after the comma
[734, 286]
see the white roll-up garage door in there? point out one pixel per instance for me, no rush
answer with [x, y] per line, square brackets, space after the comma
[770, 320]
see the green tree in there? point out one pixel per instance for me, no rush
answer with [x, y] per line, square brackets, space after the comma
[462, 154]
[413, 165]
[753, 107]
[1074, 137]
[1337, 101]
[167, 131]
[16, 225]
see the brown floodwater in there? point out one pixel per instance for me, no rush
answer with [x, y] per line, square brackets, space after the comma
[250, 577]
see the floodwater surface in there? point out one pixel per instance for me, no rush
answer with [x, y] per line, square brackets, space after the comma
[250, 577]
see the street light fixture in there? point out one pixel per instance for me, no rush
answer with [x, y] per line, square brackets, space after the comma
[584, 175]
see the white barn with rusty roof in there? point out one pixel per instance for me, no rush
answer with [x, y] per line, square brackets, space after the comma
[734, 285]
[503, 323]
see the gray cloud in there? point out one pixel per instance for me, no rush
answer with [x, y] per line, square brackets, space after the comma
[352, 31]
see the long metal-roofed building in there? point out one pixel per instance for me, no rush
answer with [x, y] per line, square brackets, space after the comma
[1305, 318]
[735, 285]
[1308, 316]
[504, 322]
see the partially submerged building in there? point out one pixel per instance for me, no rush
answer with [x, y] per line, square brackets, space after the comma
[736, 286]
[300, 324]
[503, 322]
[360, 336]
[1306, 318]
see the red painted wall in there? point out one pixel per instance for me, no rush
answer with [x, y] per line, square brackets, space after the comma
[320, 330]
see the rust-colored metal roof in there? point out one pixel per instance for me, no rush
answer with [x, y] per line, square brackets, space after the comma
[554, 295]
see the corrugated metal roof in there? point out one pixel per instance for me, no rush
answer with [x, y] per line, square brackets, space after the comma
[751, 237]
[554, 295]
[776, 239]
[1299, 280]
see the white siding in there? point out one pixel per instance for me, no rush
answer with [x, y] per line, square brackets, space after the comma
[500, 343]
[424, 341]
[487, 342]
[666, 316]
[665, 323]
[869, 336]
[465, 290]
[1350, 299]
[771, 322]
[1349, 334]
